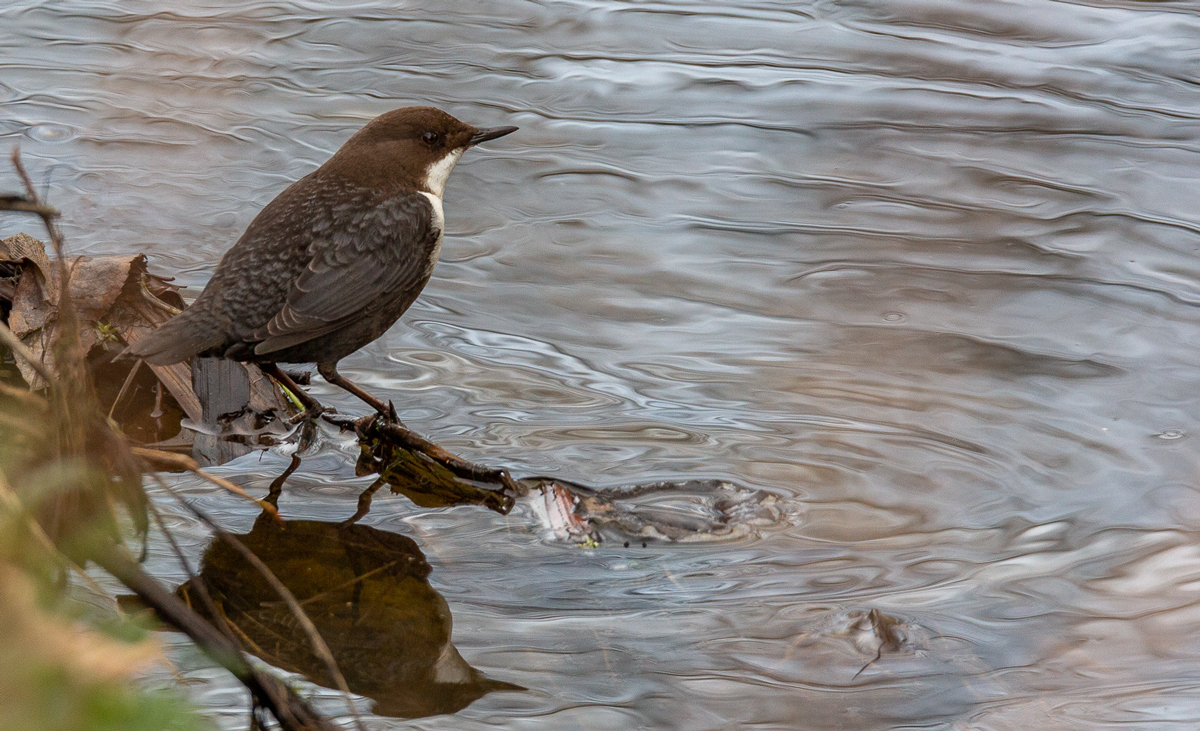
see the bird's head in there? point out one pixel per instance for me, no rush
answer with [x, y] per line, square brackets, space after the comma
[412, 146]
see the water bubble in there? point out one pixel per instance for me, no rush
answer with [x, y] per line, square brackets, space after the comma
[1170, 434]
[893, 316]
[50, 132]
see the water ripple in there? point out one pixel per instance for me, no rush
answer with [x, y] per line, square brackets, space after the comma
[924, 270]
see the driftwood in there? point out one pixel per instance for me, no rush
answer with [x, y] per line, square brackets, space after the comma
[573, 512]
[427, 474]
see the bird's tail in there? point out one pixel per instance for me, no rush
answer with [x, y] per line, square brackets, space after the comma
[176, 340]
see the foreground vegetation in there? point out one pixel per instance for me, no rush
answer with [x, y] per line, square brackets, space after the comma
[70, 492]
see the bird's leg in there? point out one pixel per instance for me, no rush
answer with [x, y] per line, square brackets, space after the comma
[364, 503]
[329, 372]
[277, 484]
[312, 407]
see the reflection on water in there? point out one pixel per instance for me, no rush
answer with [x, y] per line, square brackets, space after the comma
[926, 271]
[367, 593]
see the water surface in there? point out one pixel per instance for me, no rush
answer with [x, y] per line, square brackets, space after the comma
[926, 270]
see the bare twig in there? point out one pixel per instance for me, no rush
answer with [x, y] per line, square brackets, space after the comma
[21, 204]
[125, 386]
[339, 587]
[201, 587]
[48, 214]
[22, 351]
[184, 462]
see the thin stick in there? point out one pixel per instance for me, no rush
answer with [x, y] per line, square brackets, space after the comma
[19, 204]
[182, 461]
[201, 587]
[400, 434]
[125, 386]
[22, 350]
[47, 213]
[33, 204]
[339, 587]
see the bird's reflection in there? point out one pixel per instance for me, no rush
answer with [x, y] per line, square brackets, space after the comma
[366, 591]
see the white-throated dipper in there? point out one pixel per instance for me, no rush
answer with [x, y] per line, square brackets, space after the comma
[334, 260]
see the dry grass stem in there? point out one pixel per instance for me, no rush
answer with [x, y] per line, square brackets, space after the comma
[22, 351]
[184, 462]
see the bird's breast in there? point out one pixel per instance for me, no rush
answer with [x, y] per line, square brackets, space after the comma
[439, 224]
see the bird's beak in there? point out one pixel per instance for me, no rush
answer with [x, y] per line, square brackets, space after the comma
[490, 133]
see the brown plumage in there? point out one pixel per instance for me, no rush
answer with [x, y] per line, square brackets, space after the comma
[332, 262]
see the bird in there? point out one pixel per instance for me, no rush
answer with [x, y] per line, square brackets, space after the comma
[333, 261]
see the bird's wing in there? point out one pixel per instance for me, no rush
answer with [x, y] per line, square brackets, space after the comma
[361, 258]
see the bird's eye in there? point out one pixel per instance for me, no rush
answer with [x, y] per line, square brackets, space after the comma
[431, 138]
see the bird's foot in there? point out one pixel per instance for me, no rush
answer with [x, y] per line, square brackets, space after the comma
[312, 413]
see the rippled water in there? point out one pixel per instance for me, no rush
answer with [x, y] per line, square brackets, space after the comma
[925, 269]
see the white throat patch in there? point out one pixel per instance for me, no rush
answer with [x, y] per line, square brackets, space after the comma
[437, 173]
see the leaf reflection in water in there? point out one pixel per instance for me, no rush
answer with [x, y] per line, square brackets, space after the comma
[367, 592]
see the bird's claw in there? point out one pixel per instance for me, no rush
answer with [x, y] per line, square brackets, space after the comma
[312, 413]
